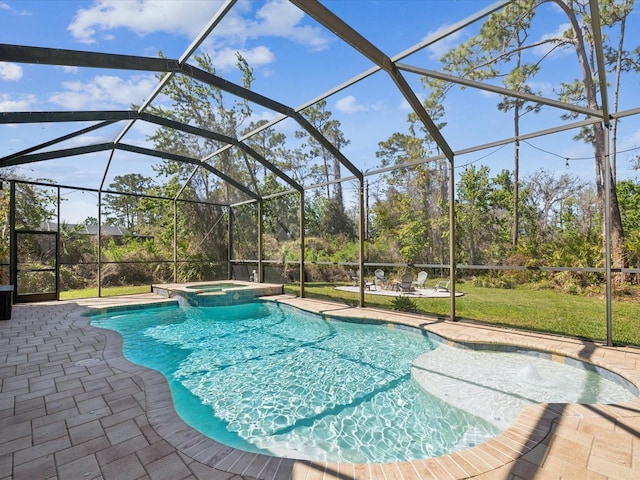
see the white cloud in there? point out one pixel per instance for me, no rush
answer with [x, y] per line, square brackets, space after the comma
[281, 18]
[442, 46]
[185, 17]
[105, 91]
[544, 49]
[6, 6]
[226, 58]
[277, 18]
[68, 69]
[21, 104]
[10, 71]
[349, 104]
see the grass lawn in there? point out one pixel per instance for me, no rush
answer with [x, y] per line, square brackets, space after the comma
[538, 310]
[106, 292]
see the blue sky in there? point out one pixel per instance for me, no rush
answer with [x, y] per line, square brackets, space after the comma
[295, 60]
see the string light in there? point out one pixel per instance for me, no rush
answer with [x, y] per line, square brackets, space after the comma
[465, 165]
[566, 159]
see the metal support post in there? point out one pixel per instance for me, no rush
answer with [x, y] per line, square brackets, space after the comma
[452, 241]
[302, 240]
[361, 239]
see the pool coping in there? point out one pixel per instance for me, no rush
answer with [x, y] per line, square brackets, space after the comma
[525, 446]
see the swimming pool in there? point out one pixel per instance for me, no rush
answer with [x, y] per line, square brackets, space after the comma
[266, 378]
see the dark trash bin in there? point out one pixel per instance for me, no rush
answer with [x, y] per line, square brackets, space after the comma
[6, 300]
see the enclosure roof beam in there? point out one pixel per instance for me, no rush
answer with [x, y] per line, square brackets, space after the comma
[184, 159]
[220, 14]
[501, 90]
[112, 116]
[271, 104]
[304, 123]
[63, 138]
[333, 23]
[431, 39]
[497, 143]
[269, 166]
[221, 138]
[536, 134]
[626, 113]
[62, 116]
[602, 66]
[52, 155]
[78, 58]
[70, 152]
[215, 20]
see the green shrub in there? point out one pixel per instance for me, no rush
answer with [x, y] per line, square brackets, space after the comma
[404, 304]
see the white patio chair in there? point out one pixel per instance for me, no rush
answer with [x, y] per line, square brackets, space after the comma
[422, 277]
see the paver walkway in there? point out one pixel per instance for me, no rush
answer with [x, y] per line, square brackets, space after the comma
[71, 407]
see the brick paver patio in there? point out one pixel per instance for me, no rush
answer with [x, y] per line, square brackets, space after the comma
[71, 407]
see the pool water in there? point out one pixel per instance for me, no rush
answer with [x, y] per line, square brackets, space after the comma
[270, 379]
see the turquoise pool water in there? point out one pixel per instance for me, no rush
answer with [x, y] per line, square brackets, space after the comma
[267, 378]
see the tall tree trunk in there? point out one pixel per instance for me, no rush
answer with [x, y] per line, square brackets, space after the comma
[338, 186]
[326, 174]
[617, 235]
[616, 90]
